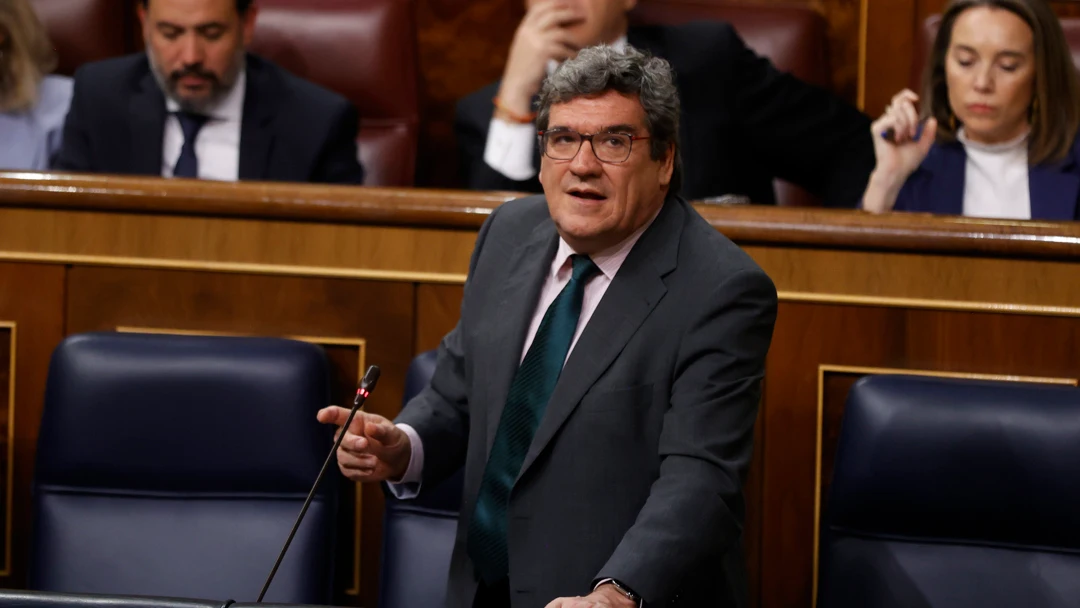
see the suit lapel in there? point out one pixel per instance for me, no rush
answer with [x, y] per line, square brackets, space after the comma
[516, 302]
[147, 127]
[1054, 190]
[949, 171]
[256, 133]
[636, 290]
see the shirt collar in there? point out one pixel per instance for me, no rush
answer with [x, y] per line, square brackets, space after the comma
[609, 260]
[618, 45]
[229, 108]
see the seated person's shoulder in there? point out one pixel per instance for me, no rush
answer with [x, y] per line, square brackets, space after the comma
[303, 97]
[477, 106]
[110, 76]
[699, 44]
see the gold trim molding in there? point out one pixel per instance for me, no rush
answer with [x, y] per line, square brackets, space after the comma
[361, 346]
[927, 304]
[235, 267]
[847, 369]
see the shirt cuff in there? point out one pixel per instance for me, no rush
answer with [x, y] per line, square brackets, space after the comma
[509, 149]
[409, 484]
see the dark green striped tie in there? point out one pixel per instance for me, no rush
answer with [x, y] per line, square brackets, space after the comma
[529, 394]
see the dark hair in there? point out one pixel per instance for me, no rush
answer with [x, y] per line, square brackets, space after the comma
[1055, 111]
[241, 5]
[599, 69]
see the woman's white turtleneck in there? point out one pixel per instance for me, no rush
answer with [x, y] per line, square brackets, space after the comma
[996, 178]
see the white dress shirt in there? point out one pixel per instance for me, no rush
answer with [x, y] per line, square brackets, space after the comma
[510, 145]
[609, 262]
[996, 179]
[217, 145]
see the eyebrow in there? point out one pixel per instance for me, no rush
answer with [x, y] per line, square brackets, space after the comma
[200, 27]
[1014, 54]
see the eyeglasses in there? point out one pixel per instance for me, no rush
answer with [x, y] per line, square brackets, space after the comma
[564, 144]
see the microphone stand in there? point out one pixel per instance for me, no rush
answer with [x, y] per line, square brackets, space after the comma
[366, 386]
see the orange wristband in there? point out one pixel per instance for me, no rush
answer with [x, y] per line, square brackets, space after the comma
[513, 116]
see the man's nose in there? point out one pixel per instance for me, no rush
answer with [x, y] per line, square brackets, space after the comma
[585, 162]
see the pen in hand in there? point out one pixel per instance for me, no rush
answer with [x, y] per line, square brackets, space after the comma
[889, 134]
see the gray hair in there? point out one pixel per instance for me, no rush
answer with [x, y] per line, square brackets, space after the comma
[602, 68]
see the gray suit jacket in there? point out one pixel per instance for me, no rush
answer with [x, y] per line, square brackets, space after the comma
[636, 470]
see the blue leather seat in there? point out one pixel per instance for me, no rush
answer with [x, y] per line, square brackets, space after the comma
[44, 599]
[418, 534]
[176, 465]
[954, 493]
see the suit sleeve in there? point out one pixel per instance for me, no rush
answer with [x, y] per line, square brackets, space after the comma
[74, 153]
[695, 509]
[805, 134]
[471, 123]
[339, 160]
[440, 413]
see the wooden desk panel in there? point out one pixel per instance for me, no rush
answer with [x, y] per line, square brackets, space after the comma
[859, 294]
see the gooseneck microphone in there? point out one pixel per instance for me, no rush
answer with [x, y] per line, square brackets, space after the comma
[367, 384]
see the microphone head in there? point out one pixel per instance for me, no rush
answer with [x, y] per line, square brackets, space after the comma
[370, 378]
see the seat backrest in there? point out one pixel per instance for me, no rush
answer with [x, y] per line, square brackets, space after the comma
[793, 38]
[924, 42]
[954, 493]
[87, 30]
[44, 599]
[176, 466]
[364, 50]
[418, 534]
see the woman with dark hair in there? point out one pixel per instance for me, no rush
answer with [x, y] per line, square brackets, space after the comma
[32, 103]
[997, 134]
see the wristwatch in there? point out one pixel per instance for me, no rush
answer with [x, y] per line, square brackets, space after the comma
[623, 589]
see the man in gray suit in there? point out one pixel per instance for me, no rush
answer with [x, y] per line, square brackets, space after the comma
[602, 383]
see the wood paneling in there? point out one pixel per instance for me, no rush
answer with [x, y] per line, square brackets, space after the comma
[32, 299]
[437, 310]
[379, 313]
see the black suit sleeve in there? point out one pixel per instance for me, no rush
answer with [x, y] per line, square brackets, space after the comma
[805, 134]
[74, 153]
[338, 161]
[471, 122]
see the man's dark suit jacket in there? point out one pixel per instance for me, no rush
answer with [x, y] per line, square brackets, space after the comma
[637, 467]
[292, 130]
[937, 186]
[743, 123]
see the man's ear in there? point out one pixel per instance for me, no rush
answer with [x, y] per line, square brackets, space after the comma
[667, 168]
[140, 10]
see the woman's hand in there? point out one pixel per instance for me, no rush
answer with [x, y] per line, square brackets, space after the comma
[901, 143]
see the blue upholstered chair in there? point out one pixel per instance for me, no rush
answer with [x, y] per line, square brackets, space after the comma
[176, 465]
[954, 493]
[45, 599]
[418, 534]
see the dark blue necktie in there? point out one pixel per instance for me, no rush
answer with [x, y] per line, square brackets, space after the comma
[188, 164]
[528, 398]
